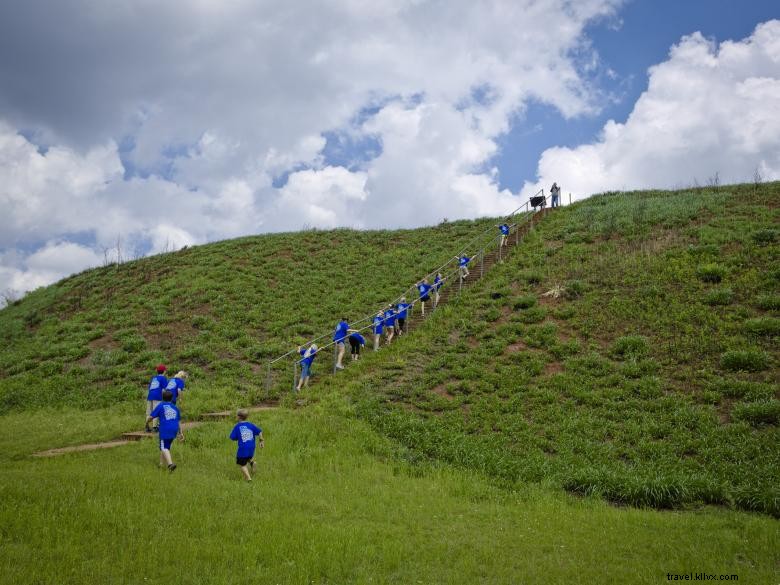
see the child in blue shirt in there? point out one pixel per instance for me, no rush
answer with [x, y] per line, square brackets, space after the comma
[389, 324]
[437, 282]
[400, 313]
[154, 394]
[424, 289]
[169, 417]
[377, 328]
[356, 341]
[244, 434]
[176, 385]
[504, 229]
[340, 336]
[307, 359]
[463, 263]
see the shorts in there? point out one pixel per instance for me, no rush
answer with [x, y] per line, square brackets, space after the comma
[401, 323]
[377, 332]
[425, 299]
[242, 461]
[305, 370]
[355, 345]
[389, 326]
[166, 444]
[341, 343]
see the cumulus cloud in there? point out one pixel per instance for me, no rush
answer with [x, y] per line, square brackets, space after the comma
[708, 109]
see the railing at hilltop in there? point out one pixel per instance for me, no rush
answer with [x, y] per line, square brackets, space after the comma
[484, 244]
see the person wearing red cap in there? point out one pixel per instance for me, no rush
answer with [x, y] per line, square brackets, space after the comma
[154, 394]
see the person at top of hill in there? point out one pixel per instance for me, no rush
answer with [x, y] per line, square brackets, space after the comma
[169, 417]
[154, 394]
[340, 337]
[400, 313]
[555, 191]
[307, 359]
[425, 290]
[504, 230]
[176, 385]
[356, 341]
[377, 328]
[437, 284]
[244, 434]
[390, 318]
[463, 265]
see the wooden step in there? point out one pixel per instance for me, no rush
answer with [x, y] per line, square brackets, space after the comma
[231, 413]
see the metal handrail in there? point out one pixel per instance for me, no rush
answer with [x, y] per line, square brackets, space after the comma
[479, 254]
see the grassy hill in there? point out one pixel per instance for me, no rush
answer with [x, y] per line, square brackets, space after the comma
[625, 351]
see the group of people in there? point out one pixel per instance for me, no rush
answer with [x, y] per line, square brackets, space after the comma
[164, 417]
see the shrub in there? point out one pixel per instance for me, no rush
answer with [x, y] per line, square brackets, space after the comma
[711, 272]
[763, 326]
[768, 302]
[765, 236]
[533, 315]
[575, 289]
[766, 412]
[750, 360]
[630, 347]
[719, 296]
[524, 302]
[532, 276]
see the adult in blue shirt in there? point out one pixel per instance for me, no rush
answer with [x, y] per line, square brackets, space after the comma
[390, 318]
[169, 417]
[307, 359]
[377, 327]
[356, 341]
[424, 289]
[244, 434]
[154, 394]
[340, 338]
[176, 385]
[400, 313]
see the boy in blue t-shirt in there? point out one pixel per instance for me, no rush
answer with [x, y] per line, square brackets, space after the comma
[377, 328]
[244, 433]
[400, 313]
[356, 341]
[437, 282]
[340, 336]
[169, 417]
[390, 324]
[463, 263]
[154, 394]
[504, 229]
[176, 385]
[307, 359]
[424, 289]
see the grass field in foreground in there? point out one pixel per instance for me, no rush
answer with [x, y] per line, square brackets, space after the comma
[333, 502]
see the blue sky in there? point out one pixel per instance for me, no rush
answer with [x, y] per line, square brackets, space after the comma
[178, 123]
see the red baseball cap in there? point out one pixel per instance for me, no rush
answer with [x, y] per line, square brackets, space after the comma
[161, 368]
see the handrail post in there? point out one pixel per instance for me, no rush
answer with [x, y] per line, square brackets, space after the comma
[500, 245]
[481, 263]
[268, 380]
[335, 357]
[295, 376]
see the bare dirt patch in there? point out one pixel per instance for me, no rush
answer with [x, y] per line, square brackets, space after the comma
[553, 368]
[515, 347]
[441, 390]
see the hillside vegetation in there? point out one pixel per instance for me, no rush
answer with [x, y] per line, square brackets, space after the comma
[628, 347]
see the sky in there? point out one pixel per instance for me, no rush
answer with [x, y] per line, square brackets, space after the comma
[136, 127]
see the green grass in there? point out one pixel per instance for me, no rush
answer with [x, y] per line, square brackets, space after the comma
[333, 502]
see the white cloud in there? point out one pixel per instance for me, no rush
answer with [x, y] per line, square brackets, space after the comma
[708, 109]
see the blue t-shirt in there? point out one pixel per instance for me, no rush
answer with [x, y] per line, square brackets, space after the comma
[169, 419]
[437, 282]
[341, 331]
[424, 289]
[378, 324]
[308, 356]
[359, 338]
[175, 386]
[401, 310]
[464, 260]
[504, 229]
[156, 386]
[390, 318]
[245, 433]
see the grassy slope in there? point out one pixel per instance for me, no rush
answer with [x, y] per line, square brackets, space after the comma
[338, 501]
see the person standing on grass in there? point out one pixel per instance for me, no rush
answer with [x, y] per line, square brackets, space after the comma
[356, 341]
[377, 327]
[340, 338]
[400, 313]
[244, 434]
[176, 385]
[390, 318]
[154, 394]
[463, 266]
[504, 229]
[307, 359]
[425, 290]
[437, 283]
[169, 417]
[555, 191]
